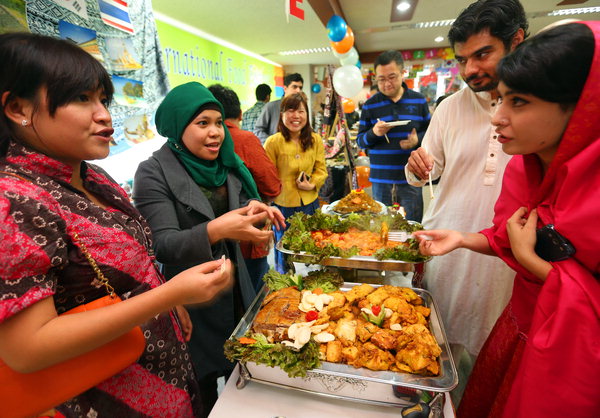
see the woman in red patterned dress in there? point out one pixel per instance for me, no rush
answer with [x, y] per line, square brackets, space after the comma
[54, 116]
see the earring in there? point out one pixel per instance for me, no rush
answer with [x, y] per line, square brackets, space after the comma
[24, 122]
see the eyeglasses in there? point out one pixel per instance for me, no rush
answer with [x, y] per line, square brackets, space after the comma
[392, 78]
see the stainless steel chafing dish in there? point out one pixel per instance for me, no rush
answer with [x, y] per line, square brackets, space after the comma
[362, 262]
[342, 381]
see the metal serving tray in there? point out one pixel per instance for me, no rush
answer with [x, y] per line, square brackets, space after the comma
[347, 382]
[362, 262]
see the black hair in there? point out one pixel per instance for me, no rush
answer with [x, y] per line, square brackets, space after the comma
[294, 101]
[290, 78]
[229, 99]
[553, 65]
[31, 62]
[389, 56]
[503, 18]
[262, 91]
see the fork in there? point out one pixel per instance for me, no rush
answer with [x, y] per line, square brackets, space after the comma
[399, 236]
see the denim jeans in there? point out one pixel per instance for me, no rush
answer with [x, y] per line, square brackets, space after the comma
[287, 212]
[409, 197]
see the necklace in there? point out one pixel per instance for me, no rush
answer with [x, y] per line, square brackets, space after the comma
[297, 148]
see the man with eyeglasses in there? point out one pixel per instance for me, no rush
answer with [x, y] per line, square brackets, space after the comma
[461, 147]
[390, 145]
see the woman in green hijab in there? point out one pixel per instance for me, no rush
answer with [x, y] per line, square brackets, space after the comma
[200, 200]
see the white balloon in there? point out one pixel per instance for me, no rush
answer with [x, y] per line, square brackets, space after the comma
[347, 80]
[349, 58]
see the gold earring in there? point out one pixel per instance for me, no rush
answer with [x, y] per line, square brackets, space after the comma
[24, 122]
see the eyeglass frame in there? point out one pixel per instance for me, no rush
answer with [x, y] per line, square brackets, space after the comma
[391, 78]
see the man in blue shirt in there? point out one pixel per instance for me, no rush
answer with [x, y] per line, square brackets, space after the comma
[389, 146]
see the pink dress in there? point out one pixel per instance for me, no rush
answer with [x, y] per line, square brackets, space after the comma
[542, 358]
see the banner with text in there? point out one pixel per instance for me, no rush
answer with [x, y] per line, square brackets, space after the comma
[189, 57]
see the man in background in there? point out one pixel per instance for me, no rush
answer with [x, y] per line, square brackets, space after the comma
[264, 172]
[389, 146]
[471, 289]
[263, 96]
[266, 125]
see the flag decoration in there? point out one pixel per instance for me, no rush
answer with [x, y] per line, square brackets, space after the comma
[115, 13]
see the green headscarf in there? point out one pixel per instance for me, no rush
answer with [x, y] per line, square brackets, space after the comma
[175, 113]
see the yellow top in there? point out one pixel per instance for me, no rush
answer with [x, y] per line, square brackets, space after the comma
[290, 160]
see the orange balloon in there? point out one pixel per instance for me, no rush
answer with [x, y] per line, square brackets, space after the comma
[348, 105]
[362, 176]
[345, 44]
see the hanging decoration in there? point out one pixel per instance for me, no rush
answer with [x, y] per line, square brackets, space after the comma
[336, 28]
[347, 81]
[316, 88]
[349, 58]
[345, 44]
[348, 105]
[292, 9]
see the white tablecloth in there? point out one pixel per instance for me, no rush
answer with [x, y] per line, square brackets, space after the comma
[258, 400]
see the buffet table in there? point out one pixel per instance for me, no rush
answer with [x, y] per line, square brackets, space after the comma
[258, 400]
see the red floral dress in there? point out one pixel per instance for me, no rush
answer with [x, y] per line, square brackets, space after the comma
[38, 259]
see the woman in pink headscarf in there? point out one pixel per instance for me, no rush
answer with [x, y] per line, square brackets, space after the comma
[542, 358]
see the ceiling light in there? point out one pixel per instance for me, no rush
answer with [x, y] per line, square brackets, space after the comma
[402, 7]
[581, 10]
[305, 51]
[439, 39]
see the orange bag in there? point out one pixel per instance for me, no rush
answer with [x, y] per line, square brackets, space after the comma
[30, 394]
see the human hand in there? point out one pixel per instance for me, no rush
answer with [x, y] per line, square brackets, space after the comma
[185, 321]
[238, 224]
[274, 214]
[381, 128]
[438, 241]
[521, 232]
[420, 163]
[411, 141]
[201, 283]
[305, 184]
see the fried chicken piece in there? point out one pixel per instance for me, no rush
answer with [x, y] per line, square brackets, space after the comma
[417, 349]
[379, 296]
[373, 358]
[423, 310]
[350, 354]
[322, 351]
[364, 330]
[406, 313]
[334, 351]
[358, 292]
[346, 329]
[385, 339]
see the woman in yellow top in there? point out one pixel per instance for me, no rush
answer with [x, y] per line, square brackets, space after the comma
[295, 149]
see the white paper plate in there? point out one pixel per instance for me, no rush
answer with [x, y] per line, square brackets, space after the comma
[398, 123]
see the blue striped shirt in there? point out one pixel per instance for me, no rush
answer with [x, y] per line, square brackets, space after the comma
[388, 160]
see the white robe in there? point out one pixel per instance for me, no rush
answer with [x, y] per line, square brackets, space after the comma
[470, 289]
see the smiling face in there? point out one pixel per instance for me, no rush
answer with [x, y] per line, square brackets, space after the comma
[80, 130]
[205, 134]
[295, 119]
[527, 124]
[478, 58]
